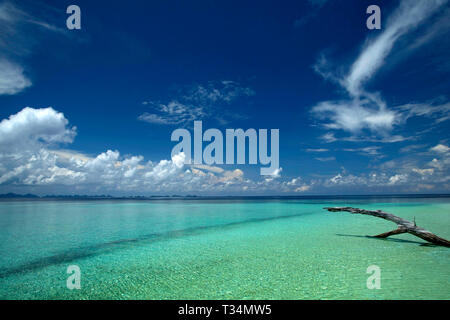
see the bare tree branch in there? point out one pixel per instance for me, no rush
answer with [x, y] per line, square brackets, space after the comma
[404, 226]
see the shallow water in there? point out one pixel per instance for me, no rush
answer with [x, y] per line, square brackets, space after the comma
[227, 249]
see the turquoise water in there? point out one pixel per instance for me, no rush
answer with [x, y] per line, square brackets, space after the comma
[211, 249]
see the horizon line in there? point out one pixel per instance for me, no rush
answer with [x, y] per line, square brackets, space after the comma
[200, 197]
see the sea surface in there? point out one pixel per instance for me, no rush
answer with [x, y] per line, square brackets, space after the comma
[220, 249]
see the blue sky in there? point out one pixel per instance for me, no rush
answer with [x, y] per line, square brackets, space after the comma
[91, 111]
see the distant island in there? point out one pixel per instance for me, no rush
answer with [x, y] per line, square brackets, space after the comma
[86, 197]
[29, 196]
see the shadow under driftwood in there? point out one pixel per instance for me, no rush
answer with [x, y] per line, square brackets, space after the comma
[403, 226]
[387, 239]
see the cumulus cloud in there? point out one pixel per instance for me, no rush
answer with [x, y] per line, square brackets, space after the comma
[302, 188]
[276, 174]
[404, 175]
[30, 128]
[34, 154]
[28, 157]
[31, 155]
[398, 178]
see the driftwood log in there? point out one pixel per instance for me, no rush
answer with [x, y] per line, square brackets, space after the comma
[403, 226]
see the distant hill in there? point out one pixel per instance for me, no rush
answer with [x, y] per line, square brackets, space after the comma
[15, 195]
[86, 197]
[197, 197]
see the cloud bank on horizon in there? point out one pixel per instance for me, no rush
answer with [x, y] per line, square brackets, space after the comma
[32, 159]
[35, 143]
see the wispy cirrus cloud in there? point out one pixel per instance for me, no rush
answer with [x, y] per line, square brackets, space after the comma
[408, 16]
[317, 150]
[355, 115]
[412, 147]
[367, 151]
[366, 112]
[440, 148]
[15, 43]
[440, 112]
[174, 112]
[325, 159]
[196, 103]
[315, 5]
[12, 78]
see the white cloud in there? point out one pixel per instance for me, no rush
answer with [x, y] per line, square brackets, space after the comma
[423, 172]
[437, 111]
[407, 17]
[30, 127]
[208, 168]
[317, 150]
[31, 157]
[336, 179]
[441, 165]
[398, 178]
[406, 174]
[329, 137]
[227, 176]
[26, 157]
[172, 113]
[12, 78]
[302, 188]
[365, 111]
[325, 159]
[395, 176]
[195, 103]
[224, 91]
[354, 116]
[367, 151]
[440, 148]
[70, 155]
[295, 185]
[15, 42]
[411, 148]
[274, 175]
